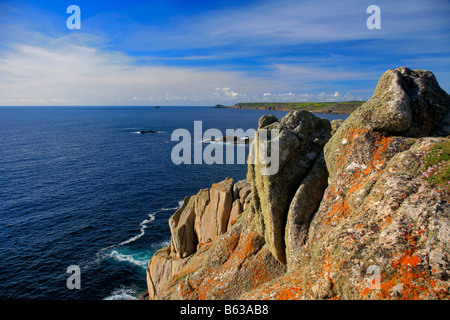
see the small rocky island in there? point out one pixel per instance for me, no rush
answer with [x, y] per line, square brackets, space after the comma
[232, 140]
[148, 131]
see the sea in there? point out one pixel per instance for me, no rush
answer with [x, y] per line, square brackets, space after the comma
[81, 186]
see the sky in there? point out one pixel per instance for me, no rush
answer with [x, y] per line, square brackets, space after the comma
[202, 53]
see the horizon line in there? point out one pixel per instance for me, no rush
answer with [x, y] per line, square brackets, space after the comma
[201, 106]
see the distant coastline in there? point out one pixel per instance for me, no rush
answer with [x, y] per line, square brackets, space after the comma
[345, 107]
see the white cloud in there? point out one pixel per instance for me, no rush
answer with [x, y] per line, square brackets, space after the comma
[305, 97]
[289, 22]
[78, 75]
[84, 76]
[227, 93]
[69, 71]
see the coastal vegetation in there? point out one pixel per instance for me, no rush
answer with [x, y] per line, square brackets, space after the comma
[436, 164]
[344, 107]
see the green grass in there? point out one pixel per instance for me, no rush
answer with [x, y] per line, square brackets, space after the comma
[182, 277]
[435, 164]
[345, 107]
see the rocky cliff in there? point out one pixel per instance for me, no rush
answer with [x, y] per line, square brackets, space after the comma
[357, 210]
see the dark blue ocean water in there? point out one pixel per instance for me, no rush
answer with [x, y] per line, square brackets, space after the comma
[79, 186]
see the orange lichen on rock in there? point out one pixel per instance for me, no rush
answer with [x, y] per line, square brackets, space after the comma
[284, 288]
[381, 146]
[404, 277]
[337, 211]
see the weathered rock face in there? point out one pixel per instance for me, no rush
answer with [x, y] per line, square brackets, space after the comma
[184, 240]
[355, 221]
[301, 137]
[206, 216]
[213, 220]
[213, 233]
[237, 262]
[303, 205]
[406, 103]
[381, 230]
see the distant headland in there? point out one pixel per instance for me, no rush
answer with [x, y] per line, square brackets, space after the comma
[345, 107]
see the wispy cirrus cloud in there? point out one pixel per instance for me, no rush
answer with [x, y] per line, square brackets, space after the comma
[287, 22]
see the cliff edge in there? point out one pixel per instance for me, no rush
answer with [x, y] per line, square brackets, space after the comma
[357, 209]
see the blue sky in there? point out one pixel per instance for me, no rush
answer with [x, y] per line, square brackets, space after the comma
[174, 52]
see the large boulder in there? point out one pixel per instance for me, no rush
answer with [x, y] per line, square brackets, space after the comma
[213, 221]
[181, 223]
[407, 103]
[300, 137]
[203, 217]
[303, 205]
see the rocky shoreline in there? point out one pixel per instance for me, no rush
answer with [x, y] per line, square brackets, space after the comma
[348, 215]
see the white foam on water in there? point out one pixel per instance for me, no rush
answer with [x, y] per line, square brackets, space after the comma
[128, 258]
[143, 225]
[122, 293]
[168, 209]
[112, 252]
[145, 222]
